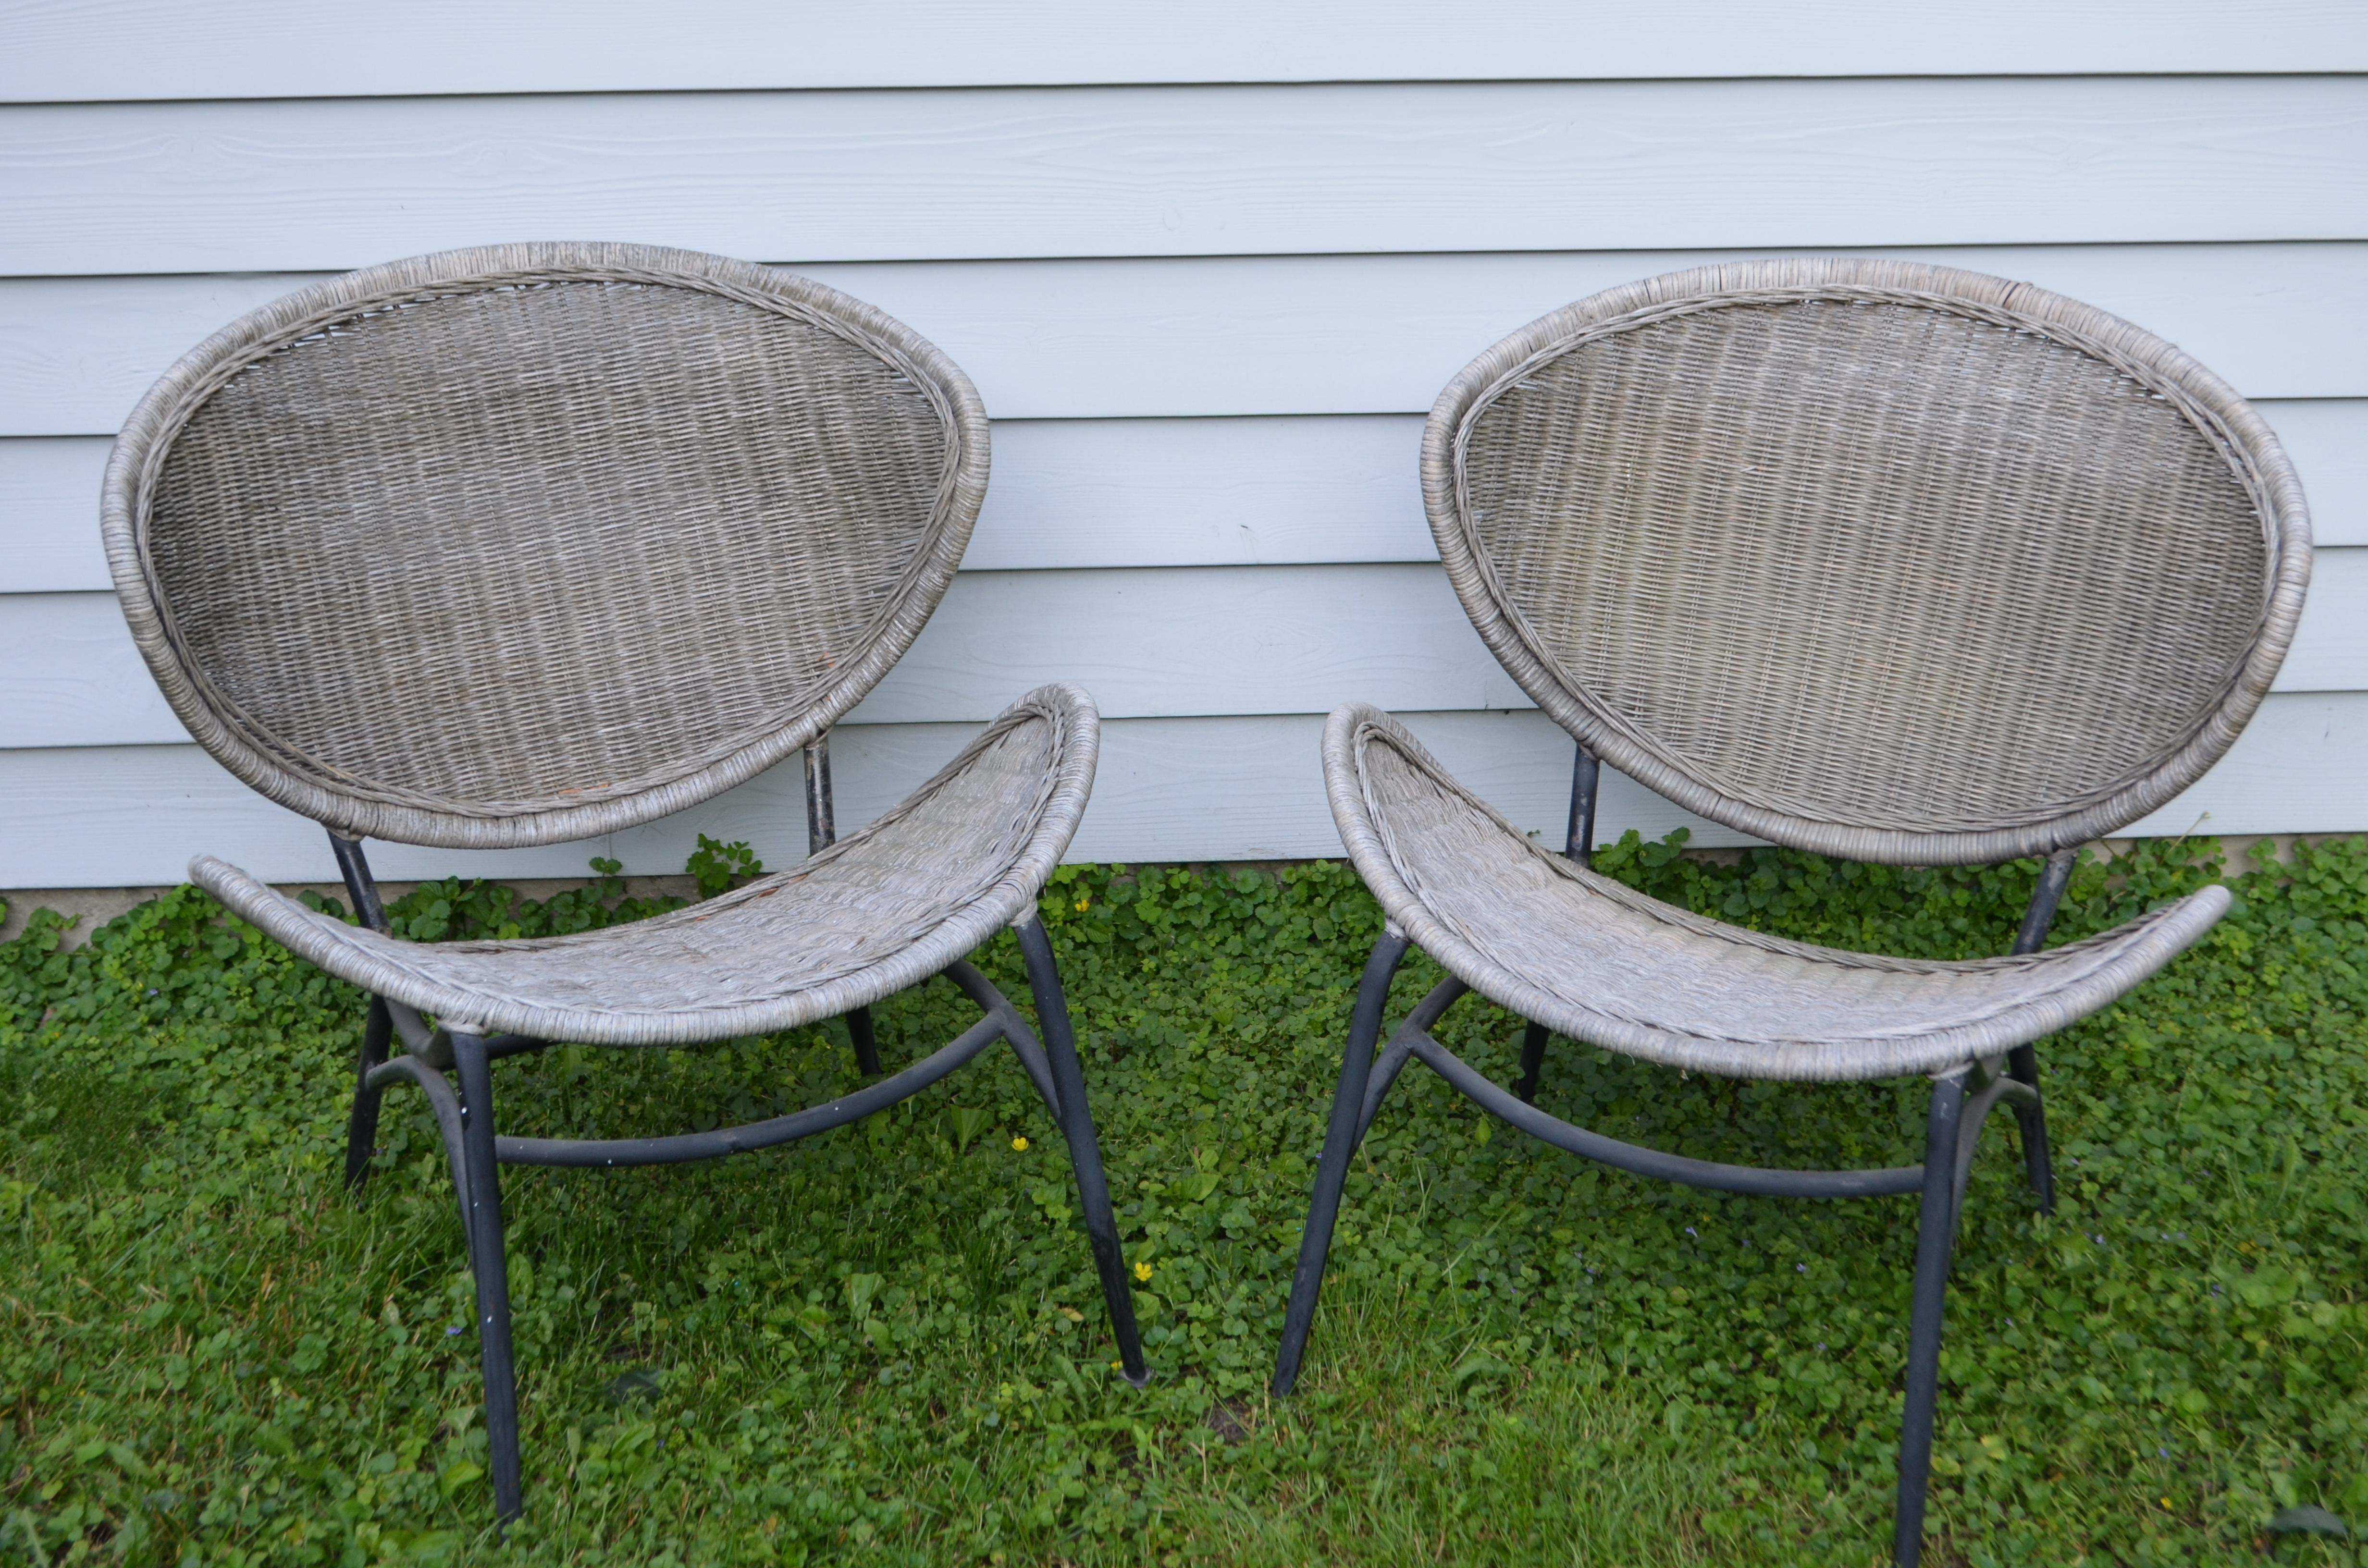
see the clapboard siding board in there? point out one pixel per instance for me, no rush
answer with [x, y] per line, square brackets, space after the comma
[1235, 337]
[1177, 642]
[1065, 493]
[1190, 171]
[2330, 647]
[1168, 790]
[2326, 439]
[1231, 788]
[102, 50]
[2294, 770]
[74, 677]
[49, 514]
[1207, 314]
[1188, 640]
[1096, 493]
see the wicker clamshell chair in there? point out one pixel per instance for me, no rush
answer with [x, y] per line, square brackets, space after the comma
[1879, 559]
[532, 543]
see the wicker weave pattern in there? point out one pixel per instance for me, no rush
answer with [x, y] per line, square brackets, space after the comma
[1538, 934]
[533, 542]
[1871, 558]
[881, 910]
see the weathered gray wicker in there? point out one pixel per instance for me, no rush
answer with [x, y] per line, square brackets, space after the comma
[1879, 559]
[530, 543]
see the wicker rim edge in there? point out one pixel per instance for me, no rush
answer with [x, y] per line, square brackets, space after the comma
[156, 422]
[2223, 416]
[370, 961]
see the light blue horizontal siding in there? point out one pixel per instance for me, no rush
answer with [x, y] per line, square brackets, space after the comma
[1224, 788]
[48, 514]
[1190, 171]
[1065, 494]
[1238, 788]
[1178, 641]
[228, 49]
[1207, 319]
[1238, 336]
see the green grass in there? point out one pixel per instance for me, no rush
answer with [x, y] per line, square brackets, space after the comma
[886, 1346]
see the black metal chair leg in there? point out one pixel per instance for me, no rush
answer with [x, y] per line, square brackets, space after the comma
[1936, 1235]
[361, 1127]
[490, 1266]
[1533, 1060]
[1340, 1146]
[1085, 1150]
[867, 1044]
[2022, 1065]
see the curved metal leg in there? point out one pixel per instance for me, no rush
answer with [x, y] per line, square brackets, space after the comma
[361, 1126]
[1936, 1234]
[1085, 1150]
[1533, 1058]
[1411, 1031]
[2023, 1066]
[1340, 1145]
[490, 1266]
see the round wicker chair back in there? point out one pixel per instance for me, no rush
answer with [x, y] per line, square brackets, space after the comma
[534, 542]
[1880, 560]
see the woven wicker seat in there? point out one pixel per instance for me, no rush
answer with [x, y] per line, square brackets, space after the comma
[1538, 934]
[874, 913]
[531, 543]
[1874, 559]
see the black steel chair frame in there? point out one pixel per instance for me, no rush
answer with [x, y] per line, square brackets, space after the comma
[1961, 1105]
[339, 545]
[1750, 533]
[452, 1067]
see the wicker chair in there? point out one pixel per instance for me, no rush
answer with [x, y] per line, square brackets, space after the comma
[1872, 558]
[532, 543]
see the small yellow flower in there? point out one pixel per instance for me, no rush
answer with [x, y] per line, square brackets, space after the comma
[1083, 905]
[1142, 1273]
[1021, 1144]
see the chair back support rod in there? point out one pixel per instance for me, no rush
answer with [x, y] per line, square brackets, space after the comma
[360, 886]
[1578, 839]
[821, 823]
[821, 832]
[2053, 877]
[2022, 1061]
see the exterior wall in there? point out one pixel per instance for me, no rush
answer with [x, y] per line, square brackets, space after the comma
[1208, 265]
